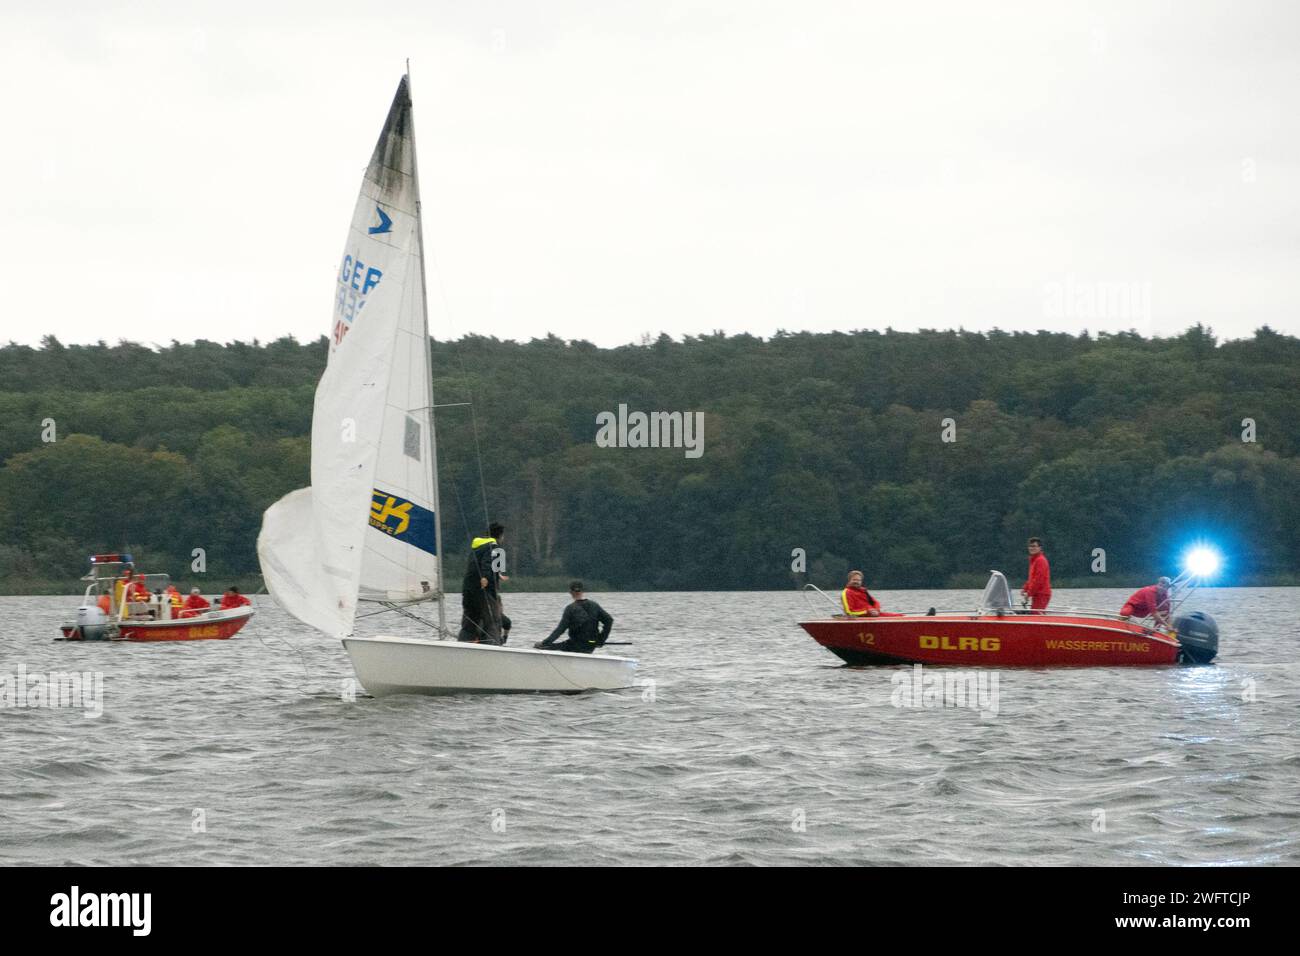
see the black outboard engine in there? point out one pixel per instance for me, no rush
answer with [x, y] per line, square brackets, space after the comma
[1199, 637]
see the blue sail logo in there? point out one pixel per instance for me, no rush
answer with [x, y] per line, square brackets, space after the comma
[385, 223]
[404, 520]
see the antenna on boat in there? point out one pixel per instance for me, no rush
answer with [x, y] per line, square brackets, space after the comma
[428, 365]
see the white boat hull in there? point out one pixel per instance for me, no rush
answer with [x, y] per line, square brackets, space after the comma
[402, 665]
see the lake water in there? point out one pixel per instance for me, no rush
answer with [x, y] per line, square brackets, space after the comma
[749, 744]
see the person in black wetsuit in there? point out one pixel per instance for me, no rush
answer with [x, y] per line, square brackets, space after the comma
[587, 623]
[482, 620]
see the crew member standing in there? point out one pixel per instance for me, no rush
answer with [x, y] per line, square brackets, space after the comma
[122, 587]
[130, 589]
[482, 620]
[1038, 589]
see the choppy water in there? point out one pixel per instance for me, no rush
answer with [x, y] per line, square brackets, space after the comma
[749, 727]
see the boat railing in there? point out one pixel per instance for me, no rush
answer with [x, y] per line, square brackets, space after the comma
[966, 612]
[124, 606]
[1066, 611]
[812, 587]
[1180, 589]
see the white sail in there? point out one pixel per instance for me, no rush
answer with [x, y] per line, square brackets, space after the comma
[367, 525]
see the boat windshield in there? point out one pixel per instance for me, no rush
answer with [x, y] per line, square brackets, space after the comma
[997, 595]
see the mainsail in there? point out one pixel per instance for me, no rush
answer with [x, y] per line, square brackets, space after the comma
[367, 527]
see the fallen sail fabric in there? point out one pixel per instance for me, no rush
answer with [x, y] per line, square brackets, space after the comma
[366, 526]
[292, 568]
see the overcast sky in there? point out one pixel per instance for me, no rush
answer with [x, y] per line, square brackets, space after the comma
[604, 170]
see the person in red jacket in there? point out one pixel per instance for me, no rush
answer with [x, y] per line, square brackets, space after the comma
[857, 601]
[232, 599]
[134, 587]
[1038, 589]
[194, 605]
[1150, 601]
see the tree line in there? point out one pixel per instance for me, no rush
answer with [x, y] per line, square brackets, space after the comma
[924, 458]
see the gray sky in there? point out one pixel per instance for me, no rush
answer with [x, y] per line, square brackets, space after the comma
[602, 170]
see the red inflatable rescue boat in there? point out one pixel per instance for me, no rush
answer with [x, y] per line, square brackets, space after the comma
[996, 635]
[118, 606]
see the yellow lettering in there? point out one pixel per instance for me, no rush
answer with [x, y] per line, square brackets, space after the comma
[934, 642]
[379, 514]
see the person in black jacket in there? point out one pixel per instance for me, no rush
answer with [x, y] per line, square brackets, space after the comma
[587, 623]
[482, 620]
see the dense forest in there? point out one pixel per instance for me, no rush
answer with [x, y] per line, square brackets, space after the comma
[831, 443]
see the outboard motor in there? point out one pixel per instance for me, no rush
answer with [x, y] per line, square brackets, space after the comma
[996, 596]
[92, 623]
[1199, 637]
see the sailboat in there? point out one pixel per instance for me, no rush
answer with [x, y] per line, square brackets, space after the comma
[369, 527]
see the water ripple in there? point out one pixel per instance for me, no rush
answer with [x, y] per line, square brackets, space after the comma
[752, 747]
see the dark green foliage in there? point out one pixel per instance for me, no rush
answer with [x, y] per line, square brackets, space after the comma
[827, 442]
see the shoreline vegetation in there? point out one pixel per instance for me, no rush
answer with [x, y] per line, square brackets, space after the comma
[922, 458]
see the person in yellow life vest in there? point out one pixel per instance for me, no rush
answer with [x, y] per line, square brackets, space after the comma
[174, 596]
[482, 619]
[131, 589]
[122, 587]
[857, 601]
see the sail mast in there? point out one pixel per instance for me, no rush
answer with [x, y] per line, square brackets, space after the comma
[428, 366]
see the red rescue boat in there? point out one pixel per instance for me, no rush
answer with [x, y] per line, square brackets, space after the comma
[214, 625]
[109, 611]
[996, 635]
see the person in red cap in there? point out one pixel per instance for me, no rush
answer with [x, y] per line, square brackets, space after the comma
[1038, 589]
[1150, 601]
